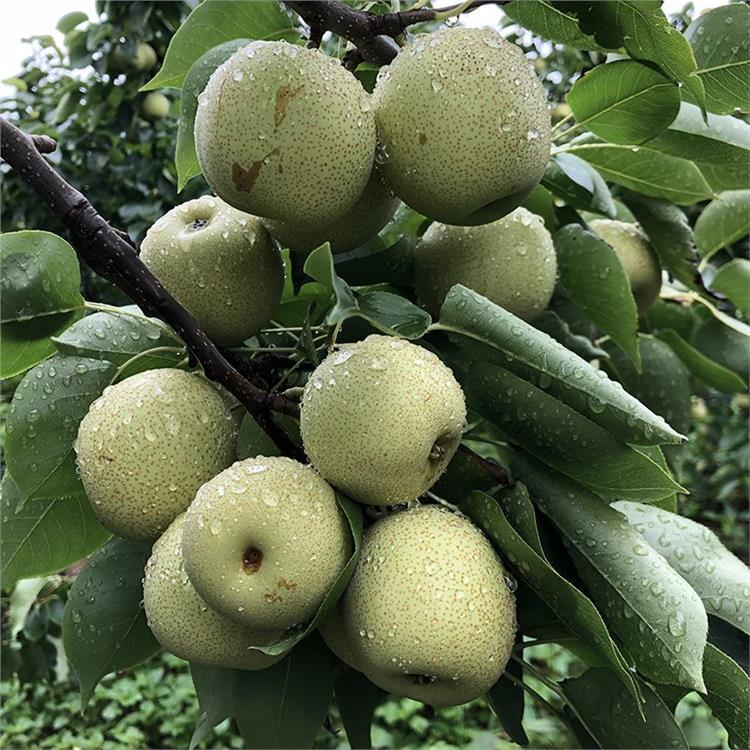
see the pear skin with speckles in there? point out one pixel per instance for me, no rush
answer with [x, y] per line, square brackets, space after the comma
[463, 124]
[510, 261]
[381, 419]
[147, 444]
[638, 258]
[286, 133]
[185, 625]
[372, 211]
[264, 542]
[220, 264]
[428, 614]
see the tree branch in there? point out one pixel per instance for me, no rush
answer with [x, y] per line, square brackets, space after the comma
[371, 33]
[108, 253]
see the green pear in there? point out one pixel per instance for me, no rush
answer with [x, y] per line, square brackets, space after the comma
[264, 542]
[145, 58]
[638, 259]
[511, 261]
[156, 106]
[362, 222]
[286, 133]
[183, 623]
[381, 419]
[147, 444]
[220, 264]
[463, 124]
[428, 614]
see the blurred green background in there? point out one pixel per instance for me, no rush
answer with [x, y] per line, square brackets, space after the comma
[119, 150]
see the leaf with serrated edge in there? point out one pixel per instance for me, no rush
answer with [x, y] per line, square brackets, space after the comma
[538, 358]
[654, 611]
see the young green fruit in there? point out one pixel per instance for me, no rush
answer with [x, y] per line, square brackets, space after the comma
[637, 257]
[156, 106]
[183, 623]
[286, 133]
[464, 125]
[220, 264]
[428, 614]
[362, 222]
[264, 542]
[381, 419]
[147, 444]
[511, 261]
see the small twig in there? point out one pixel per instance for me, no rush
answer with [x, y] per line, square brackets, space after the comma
[493, 469]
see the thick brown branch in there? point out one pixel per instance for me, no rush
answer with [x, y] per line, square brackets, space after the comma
[370, 32]
[108, 253]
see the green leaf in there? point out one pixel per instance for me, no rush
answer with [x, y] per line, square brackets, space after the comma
[282, 706]
[720, 39]
[506, 700]
[553, 325]
[549, 22]
[709, 371]
[353, 513]
[464, 474]
[669, 233]
[542, 361]
[70, 20]
[519, 510]
[733, 281]
[696, 553]
[654, 612]
[728, 694]
[39, 296]
[253, 440]
[123, 337]
[378, 261]
[393, 314]
[624, 102]
[579, 184]
[47, 408]
[563, 438]
[615, 720]
[319, 266]
[723, 221]
[595, 279]
[726, 341]
[216, 21]
[646, 170]
[357, 698]
[573, 608]
[185, 158]
[40, 276]
[104, 629]
[47, 534]
[720, 148]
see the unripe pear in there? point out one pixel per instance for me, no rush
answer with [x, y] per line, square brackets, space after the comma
[511, 261]
[381, 419]
[264, 542]
[144, 59]
[428, 614]
[637, 257]
[286, 133]
[156, 106]
[147, 444]
[463, 124]
[220, 264]
[183, 623]
[362, 222]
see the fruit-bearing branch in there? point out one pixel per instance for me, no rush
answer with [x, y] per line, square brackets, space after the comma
[108, 252]
[371, 33]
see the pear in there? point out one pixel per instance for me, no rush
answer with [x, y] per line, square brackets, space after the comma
[183, 623]
[510, 261]
[147, 444]
[428, 614]
[286, 133]
[463, 124]
[381, 419]
[264, 542]
[362, 222]
[220, 264]
[638, 259]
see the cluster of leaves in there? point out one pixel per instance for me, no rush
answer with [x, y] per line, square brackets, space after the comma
[626, 586]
